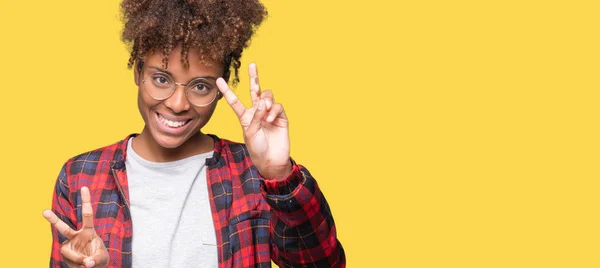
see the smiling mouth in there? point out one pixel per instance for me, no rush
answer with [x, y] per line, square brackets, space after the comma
[172, 124]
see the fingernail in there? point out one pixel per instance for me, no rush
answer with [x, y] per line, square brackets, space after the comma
[261, 105]
[91, 263]
[270, 118]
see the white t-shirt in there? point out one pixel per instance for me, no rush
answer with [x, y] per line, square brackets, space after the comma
[170, 212]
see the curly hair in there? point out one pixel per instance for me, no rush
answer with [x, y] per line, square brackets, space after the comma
[218, 29]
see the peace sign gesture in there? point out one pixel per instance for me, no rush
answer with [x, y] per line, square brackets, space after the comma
[83, 248]
[265, 127]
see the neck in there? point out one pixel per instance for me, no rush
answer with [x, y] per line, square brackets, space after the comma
[145, 146]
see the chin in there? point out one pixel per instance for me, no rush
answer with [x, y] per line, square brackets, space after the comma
[169, 142]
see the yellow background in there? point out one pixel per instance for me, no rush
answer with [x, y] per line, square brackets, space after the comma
[443, 133]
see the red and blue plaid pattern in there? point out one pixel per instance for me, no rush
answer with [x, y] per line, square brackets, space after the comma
[255, 219]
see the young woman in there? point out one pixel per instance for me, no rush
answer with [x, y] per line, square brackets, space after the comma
[173, 196]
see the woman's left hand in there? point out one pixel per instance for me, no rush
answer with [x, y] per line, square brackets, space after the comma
[265, 127]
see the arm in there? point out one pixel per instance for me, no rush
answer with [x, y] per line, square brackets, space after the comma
[63, 208]
[303, 231]
[70, 248]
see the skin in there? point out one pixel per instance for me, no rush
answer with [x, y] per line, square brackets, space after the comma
[83, 248]
[155, 145]
[264, 124]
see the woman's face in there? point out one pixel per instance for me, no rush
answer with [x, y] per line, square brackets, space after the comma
[174, 120]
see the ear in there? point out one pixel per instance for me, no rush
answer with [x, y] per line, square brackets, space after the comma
[219, 94]
[137, 71]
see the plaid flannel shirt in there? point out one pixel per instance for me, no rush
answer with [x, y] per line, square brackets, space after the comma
[255, 219]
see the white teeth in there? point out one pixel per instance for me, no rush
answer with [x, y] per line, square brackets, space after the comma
[170, 123]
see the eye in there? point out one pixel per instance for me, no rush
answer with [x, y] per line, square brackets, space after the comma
[200, 87]
[161, 80]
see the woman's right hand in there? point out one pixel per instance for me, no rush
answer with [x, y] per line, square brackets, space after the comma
[83, 248]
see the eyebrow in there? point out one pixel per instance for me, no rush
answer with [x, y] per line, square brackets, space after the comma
[169, 73]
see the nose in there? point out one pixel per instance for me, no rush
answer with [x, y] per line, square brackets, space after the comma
[178, 102]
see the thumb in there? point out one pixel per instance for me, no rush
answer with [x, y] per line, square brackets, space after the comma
[89, 262]
[99, 259]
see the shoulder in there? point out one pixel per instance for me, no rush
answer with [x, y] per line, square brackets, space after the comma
[225, 143]
[90, 167]
[89, 162]
[232, 150]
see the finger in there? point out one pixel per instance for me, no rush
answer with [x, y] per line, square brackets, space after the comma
[231, 98]
[60, 226]
[71, 255]
[256, 122]
[276, 112]
[89, 262]
[86, 208]
[100, 257]
[254, 85]
[71, 264]
[269, 99]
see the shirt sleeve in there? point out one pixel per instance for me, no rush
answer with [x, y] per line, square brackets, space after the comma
[303, 233]
[63, 208]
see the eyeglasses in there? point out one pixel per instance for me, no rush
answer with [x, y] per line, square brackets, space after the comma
[200, 92]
